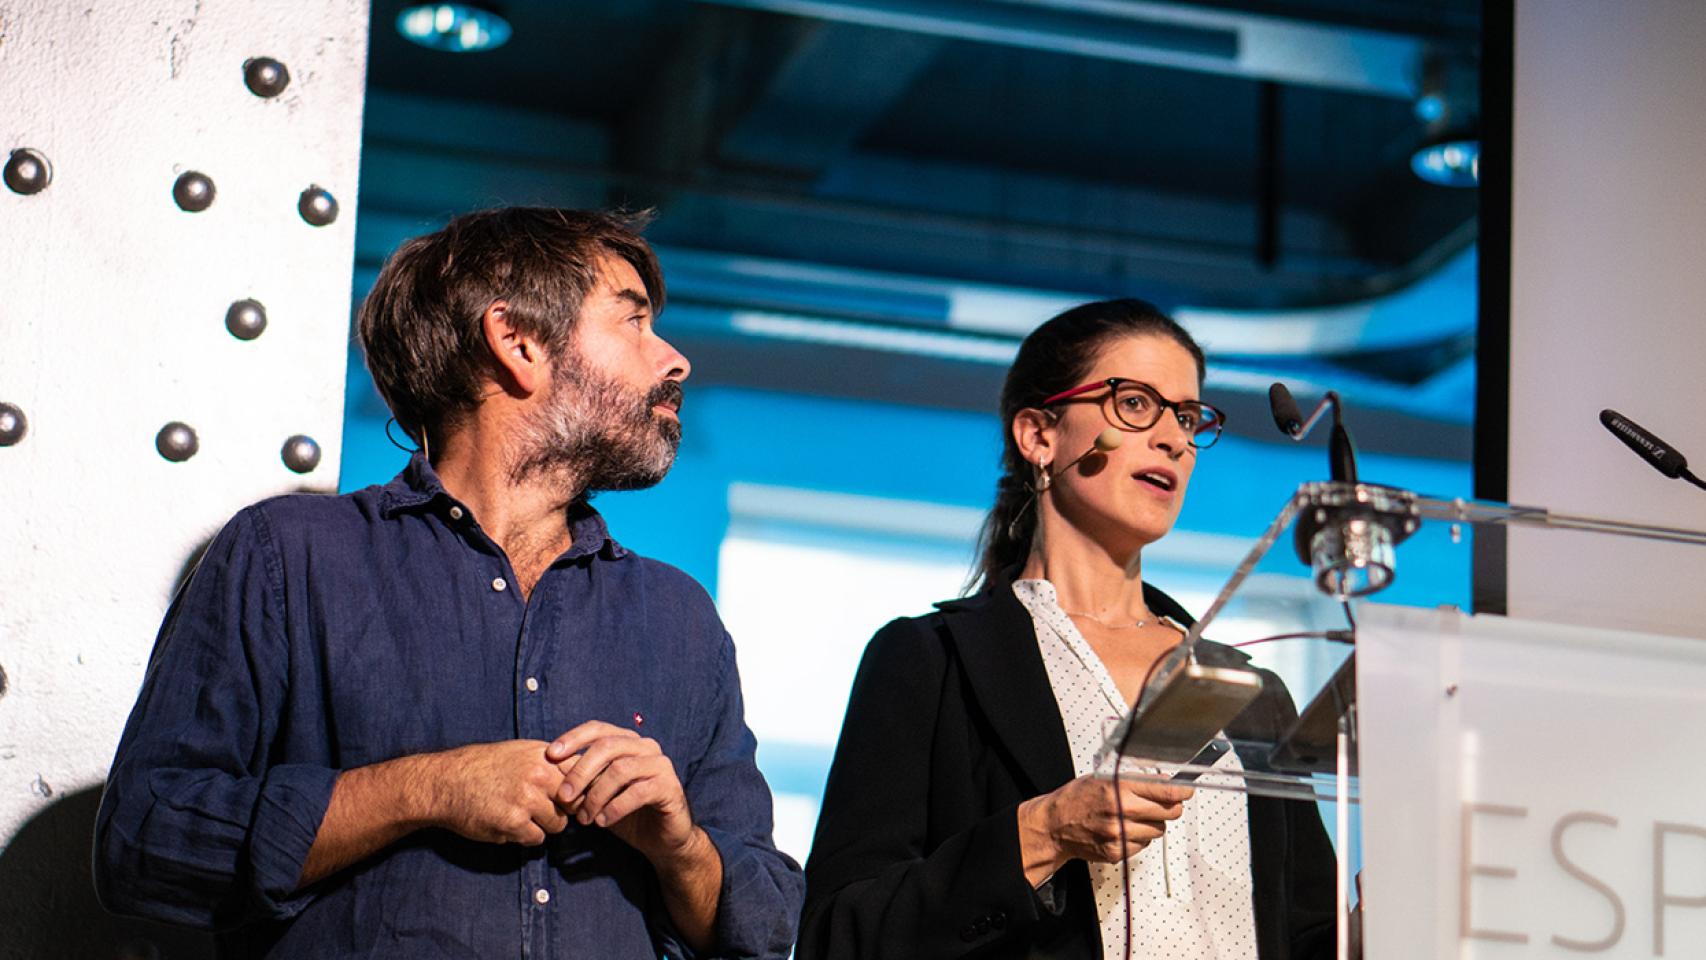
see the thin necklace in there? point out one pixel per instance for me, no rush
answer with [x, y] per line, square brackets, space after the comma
[1111, 626]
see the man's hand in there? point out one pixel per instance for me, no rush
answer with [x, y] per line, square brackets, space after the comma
[616, 779]
[496, 792]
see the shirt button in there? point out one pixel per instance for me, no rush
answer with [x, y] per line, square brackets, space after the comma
[532, 685]
[455, 513]
[541, 896]
[499, 585]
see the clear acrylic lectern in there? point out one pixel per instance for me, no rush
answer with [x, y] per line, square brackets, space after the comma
[1466, 756]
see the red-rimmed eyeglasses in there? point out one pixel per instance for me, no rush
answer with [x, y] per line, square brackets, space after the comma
[1139, 406]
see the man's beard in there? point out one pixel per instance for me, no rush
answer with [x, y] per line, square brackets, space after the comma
[597, 434]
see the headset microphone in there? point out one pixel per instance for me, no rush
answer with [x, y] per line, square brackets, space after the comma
[1106, 441]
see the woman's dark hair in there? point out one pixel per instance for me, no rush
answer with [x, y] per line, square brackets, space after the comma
[1057, 356]
[420, 326]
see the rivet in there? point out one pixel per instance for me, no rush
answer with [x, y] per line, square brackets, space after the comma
[193, 192]
[27, 172]
[317, 206]
[246, 319]
[13, 424]
[301, 453]
[176, 442]
[265, 77]
[1451, 690]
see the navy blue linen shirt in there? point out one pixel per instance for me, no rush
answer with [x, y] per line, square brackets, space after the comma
[322, 633]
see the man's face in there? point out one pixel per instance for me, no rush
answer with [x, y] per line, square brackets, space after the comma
[611, 417]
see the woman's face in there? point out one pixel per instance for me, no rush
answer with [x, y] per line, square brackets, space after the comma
[1131, 495]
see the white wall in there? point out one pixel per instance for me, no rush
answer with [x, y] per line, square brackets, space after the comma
[1608, 300]
[112, 323]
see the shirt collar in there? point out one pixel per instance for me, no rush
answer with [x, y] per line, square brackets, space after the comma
[590, 533]
[418, 486]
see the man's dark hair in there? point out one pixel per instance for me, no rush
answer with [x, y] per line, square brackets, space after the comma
[420, 326]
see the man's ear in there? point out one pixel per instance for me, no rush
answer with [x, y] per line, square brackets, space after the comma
[1034, 432]
[520, 359]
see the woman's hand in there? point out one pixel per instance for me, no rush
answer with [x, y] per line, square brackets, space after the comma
[1080, 821]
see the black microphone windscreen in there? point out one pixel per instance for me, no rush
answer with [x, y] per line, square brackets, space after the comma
[1286, 415]
[1651, 449]
[1342, 455]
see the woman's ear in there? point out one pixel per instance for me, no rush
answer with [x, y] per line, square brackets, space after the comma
[1034, 433]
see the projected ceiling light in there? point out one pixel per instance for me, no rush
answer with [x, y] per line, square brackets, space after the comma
[1450, 162]
[1431, 107]
[456, 27]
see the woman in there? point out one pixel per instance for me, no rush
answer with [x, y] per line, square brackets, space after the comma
[960, 815]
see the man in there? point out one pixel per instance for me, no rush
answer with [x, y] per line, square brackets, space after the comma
[449, 716]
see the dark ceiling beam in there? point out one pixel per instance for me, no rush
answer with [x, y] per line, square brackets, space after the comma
[672, 126]
[1447, 23]
[828, 88]
[432, 157]
[1164, 33]
[1270, 175]
[723, 213]
[996, 250]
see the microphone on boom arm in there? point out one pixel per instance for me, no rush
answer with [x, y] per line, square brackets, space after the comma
[1341, 453]
[1664, 458]
[1348, 539]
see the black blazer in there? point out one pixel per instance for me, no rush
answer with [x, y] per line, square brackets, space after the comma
[951, 723]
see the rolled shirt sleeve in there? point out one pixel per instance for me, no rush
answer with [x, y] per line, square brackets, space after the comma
[758, 907]
[196, 827]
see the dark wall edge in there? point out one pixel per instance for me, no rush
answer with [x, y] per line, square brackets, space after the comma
[1493, 341]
